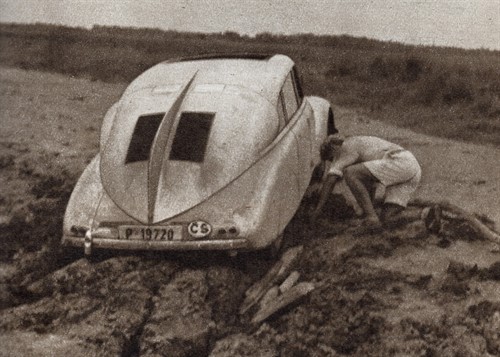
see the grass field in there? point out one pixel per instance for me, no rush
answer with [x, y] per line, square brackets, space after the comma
[446, 92]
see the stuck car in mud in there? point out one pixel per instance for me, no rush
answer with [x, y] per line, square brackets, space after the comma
[204, 153]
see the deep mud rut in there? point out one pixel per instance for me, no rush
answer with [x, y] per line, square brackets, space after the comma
[129, 306]
[403, 292]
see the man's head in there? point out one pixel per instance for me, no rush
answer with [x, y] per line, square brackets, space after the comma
[328, 147]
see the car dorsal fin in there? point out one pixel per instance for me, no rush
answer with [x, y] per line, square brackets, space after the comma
[160, 144]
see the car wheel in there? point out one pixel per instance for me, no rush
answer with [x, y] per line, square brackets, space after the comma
[331, 123]
[318, 173]
[272, 252]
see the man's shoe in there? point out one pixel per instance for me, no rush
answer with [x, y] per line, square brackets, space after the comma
[368, 226]
[432, 218]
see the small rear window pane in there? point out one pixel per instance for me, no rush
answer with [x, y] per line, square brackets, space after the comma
[143, 136]
[191, 137]
[289, 97]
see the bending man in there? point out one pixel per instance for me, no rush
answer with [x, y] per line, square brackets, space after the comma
[364, 161]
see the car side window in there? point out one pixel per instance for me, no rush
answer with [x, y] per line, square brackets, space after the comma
[289, 97]
[298, 85]
[281, 112]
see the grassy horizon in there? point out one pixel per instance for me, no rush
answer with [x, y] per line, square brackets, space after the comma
[441, 91]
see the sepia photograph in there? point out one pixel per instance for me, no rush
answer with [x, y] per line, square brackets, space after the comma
[268, 178]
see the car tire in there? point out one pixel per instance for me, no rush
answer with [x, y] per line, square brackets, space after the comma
[272, 252]
[331, 123]
[318, 173]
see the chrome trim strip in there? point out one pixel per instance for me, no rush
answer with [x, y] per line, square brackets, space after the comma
[87, 243]
[106, 243]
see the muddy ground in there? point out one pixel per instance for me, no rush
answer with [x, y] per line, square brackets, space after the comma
[403, 292]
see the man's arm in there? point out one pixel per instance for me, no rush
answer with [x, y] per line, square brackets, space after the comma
[326, 189]
[347, 156]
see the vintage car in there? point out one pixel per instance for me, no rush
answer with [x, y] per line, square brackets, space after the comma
[205, 153]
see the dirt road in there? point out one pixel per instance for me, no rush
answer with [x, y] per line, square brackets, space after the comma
[403, 292]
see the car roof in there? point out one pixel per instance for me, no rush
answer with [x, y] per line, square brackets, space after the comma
[260, 73]
[245, 55]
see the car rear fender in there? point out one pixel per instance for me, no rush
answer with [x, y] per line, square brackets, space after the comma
[279, 193]
[84, 199]
[260, 202]
[321, 108]
[90, 205]
[107, 124]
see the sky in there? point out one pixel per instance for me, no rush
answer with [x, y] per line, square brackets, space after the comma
[456, 23]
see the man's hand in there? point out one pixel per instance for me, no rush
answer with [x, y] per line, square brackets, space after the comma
[326, 189]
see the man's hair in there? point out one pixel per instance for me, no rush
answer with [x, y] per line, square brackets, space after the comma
[328, 145]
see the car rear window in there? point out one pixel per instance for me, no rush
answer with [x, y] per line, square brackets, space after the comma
[143, 136]
[191, 137]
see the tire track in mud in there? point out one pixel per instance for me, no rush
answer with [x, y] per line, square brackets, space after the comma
[196, 308]
[133, 306]
[102, 306]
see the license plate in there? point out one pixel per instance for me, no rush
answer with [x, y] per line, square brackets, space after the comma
[150, 233]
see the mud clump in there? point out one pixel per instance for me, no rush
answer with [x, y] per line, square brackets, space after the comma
[226, 287]
[486, 321]
[84, 303]
[242, 345]
[461, 272]
[7, 161]
[131, 305]
[181, 321]
[493, 272]
[34, 220]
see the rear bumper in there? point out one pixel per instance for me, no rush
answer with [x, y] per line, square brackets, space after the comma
[107, 243]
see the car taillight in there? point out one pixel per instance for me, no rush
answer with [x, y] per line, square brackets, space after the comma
[101, 232]
[227, 232]
[79, 231]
